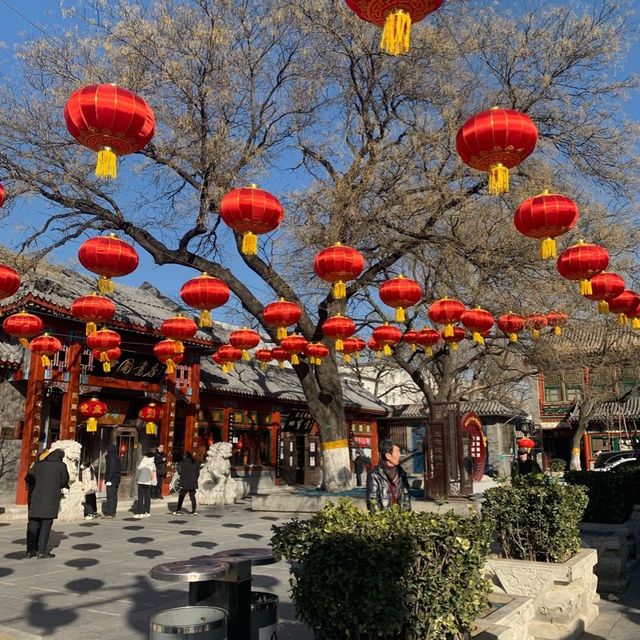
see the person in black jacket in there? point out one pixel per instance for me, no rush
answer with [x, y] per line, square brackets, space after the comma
[112, 480]
[358, 465]
[189, 471]
[160, 459]
[45, 480]
[387, 484]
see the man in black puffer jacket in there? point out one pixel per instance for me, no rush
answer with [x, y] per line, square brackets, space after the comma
[112, 475]
[388, 484]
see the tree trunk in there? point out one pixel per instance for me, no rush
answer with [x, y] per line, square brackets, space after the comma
[576, 464]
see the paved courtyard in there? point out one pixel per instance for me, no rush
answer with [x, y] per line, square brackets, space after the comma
[98, 583]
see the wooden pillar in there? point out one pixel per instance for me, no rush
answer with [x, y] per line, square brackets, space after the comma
[167, 426]
[32, 424]
[374, 443]
[69, 416]
[191, 421]
[225, 424]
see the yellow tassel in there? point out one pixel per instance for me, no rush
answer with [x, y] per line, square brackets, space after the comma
[603, 306]
[548, 249]
[92, 424]
[454, 346]
[557, 331]
[205, 319]
[24, 342]
[339, 344]
[107, 165]
[428, 351]
[378, 354]
[413, 347]
[179, 346]
[387, 350]
[585, 288]
[150, 428]
[103, 356]
[171, 366]
[498, 179]
[448, 331]
[46, 363]
[356, 354]
[295, 359]
[281, 365]
[249, 244]
[90, 328]
[622, 319]
[263, 366]
[105, 285]
[347, 358]
[513, 337]
[282, 333]
[400, 317]
[246, 355]
[106, 366]
[477, 337]
[635, 323]
[318, 362]
[535, 334]
[396, 33]
[339, 290]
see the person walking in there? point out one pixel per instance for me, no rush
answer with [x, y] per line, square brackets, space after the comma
[160, 460]
[387, 484]
[189, 471]
[90, 488]
[525, 465]
[147, 479]
[112, 475]
[358, 466]
[45, 481]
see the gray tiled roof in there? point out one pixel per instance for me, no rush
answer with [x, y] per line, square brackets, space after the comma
[11, 355]
[481, 407]
[249, 380]
[607, 411]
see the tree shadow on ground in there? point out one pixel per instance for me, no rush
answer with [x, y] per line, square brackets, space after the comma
[82, 563]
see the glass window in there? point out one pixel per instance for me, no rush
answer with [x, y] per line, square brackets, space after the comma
[574, 393]
[552, 394]
[251, 447]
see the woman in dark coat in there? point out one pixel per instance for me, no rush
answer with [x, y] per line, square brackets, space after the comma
[189, 471]
[45, 480]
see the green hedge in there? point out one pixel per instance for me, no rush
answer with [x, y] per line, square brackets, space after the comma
[392, 575]
[612, 494]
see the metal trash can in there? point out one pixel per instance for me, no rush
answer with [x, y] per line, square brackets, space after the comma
[264, 616]
[189, 623]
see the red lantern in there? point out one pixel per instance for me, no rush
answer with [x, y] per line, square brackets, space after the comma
[400, 293]
[251, 211]
[244, 339]
[605, 286]
[556, 321]
[428, 338]
[179, 328]
[23, 325]
[338, 328]
[512, 324]
[458, 336]
[110, 355]
[479, 322]
[109, 257]
[496, 141]
[91, 411]
[526, 443]
[374, 346]
[446, 312]
[395, 18]
[634, 316]
[152, 414]
[9, 281]
[352, 346]
[281, 314]
[624, 305]
[92, 309]
[205, 293]
[387, 336]
[337, 264]
[411, 338]
[102, 341]
[110, 120]
[316, 352]
[1, 195]
[581, 262]
[536, 322]
[263, 356]
[279, 354]
[227, 355]
[45, 346]
[168, 352]
[545, 217]
[293, 345]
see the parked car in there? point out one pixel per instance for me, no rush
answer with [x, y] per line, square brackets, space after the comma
[611, 460]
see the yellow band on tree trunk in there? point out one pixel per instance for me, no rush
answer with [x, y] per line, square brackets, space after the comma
[335, 444]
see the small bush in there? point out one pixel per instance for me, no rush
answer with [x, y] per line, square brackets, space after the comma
[557, 464]
[535, 518]
[392, 575]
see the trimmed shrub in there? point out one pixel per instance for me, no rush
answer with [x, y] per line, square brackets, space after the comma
[557, 464]
[535, 518]
[392, 575]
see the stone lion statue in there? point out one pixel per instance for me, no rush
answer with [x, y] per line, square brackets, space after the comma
[71, 505]
[215, 485]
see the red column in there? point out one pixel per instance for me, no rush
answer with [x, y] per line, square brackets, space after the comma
[32, 424]
[374, 443]
[167, 427]
[69, 417]
[191, 420]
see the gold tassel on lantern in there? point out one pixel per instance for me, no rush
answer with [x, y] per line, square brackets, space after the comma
[428, 351]
[106, 366]
[46, 363]
[513, 337]
[205, 319]
[92, 424]
[635, 323]
[339, 344]
[179, 346]
[557, 330]
[295, 359]
[387, 350]
[498, 179]
[105, 285]
[448, 331]
[347, 358]
[548, 249]
[413, 347]
[24, 342]
[379, 353]
[622, 319]
[318, 362]
[477, 337]
[535, 334]
[90, 328]
[585, 288]
[603, 306]
[263, 366]
[400, 317]
[396, 33]
[281, 364]
[454, 346]
[249, 244]
[171, 366]
[339, 290]
[107, 165]
[281, 333]
[246, 355]
[150, 428]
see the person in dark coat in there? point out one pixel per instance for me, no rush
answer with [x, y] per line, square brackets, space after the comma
[189, 471]
[45, 480]
[387, 484]
[112, 475]
[358, 466]
[525, 465]
[160, 459]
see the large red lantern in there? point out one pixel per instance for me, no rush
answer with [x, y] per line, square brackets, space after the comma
[338, 328]
[228, 354]
[479, 322]
[452, 341]
[374, 346]
[495, 141]
[395, 18]
[386, 336]
[110, 355]
[526, 443]
[337, 264]
[93, 310]
[102, 341]
[23, 325]
[317, 352]
[179, 328]
[91, 411]
[411, 338]
[45, 346]
[109, 257]
[604, 287]
[293, 345]
[556, 321]
[446, 312]
[536, 323]
[427, 339]
[251, 211]
[545, 217]
[512, 324]
[205, 293]
[624, 305]
[400, 293]
[110, 120]
[281, 314]
[168, 352]
[9, 281]
[152, 414]
[244, 339]
[263, 356]
[352, 346]
[581, 262]
[279, 354]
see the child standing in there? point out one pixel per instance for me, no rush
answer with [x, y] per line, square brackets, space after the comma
[90, 488]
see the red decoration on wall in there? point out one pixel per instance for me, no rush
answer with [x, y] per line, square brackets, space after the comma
[624, 305]
[458, 336]
[93, 310]
[111, 121]
[293, 345]
[244, 339]
[205, 293]
[45, 346]
[386, 336]
[102, 341]
[338, 264]
[512, 324]
[9, 281]
[556, 321]
[317, 352]
[495, 141]
[91, 411]
[109, 257]
[400, 293]
[479, 322]
[168, 352]
[604, 287]
[23, 325]
[446, 312]
[179, 328]
[281, 314]
[536, 323]
[338, 328]
[581, 262]
[428, 338]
